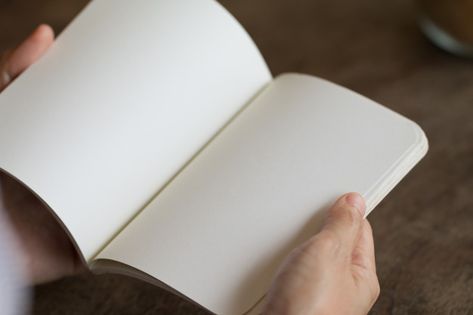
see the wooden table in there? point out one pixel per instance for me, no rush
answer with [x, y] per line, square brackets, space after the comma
[424, 228]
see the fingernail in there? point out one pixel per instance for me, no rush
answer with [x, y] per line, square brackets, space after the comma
[356, 201]
[4, 79]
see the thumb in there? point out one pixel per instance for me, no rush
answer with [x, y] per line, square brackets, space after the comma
[30, 50]
[344, 221]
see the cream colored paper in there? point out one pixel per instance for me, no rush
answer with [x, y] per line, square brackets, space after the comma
[128, 94]
[218, 232]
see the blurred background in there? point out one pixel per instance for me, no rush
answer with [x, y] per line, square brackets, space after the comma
[424, 228]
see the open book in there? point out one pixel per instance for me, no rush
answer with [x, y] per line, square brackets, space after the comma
[155, 132]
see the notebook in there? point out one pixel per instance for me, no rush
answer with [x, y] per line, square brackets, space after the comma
[158, 137]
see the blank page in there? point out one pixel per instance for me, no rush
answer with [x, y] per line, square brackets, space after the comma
[129, 92]
[218, 232]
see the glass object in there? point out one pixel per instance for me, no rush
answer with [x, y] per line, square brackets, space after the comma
[449, 24]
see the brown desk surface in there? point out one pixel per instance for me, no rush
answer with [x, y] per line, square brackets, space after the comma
[424, 228]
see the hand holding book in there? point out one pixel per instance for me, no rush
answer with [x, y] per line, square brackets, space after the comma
[203, 172]
[46, 248]
[15, 61]
[317, 266]
[334, 272]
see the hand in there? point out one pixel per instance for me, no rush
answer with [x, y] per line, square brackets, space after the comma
[15, 61]
[332, 273]
[47, 250]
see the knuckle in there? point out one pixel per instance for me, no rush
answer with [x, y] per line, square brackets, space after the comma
[371, 285]
[311, 247]
[326, 242]
[348, 215]
[375, 288]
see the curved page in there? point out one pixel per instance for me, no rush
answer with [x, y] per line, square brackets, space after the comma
[218, 232]
[130, 91]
